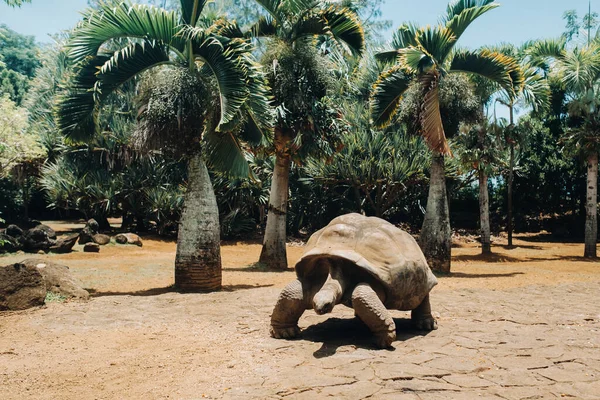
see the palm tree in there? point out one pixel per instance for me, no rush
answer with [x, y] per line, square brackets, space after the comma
[425, 56]
[478, 151]
[215, 86]
[579, 70]
[306, 122]
[535, 94]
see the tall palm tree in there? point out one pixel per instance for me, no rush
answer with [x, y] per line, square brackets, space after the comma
[534, 94]
[299, 81]
[215, 87]
[424, 56]
[579, 71]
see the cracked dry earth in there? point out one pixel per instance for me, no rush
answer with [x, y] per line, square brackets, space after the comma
[500, 336]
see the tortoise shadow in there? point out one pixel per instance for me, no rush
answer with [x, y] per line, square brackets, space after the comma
[337, 332]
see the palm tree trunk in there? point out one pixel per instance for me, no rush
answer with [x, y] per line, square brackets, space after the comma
[274, 254]
[591, 208]
[436, 235]
[484, 212]
[198, 259]
[511, 179]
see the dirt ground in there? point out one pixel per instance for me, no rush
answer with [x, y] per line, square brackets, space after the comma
[523, 323]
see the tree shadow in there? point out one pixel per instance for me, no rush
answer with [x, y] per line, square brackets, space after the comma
[169, 289]
[258, 267]
[464, 275]
[337, 332]
[490, 258]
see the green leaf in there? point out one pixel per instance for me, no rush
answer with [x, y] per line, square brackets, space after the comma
[226, 154]
[225, 63]
[119, 20]
[387, 94]
[191, 10]
[265, 26]
[405, 36]
[346, 27]
[436, 42]
[272, 7]
[497, 67]
[462, 13]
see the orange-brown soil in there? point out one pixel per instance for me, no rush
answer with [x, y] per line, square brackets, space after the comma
[138, 339]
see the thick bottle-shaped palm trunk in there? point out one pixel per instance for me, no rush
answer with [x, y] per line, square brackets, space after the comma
[198, 259]
[274, 254]
[436, 235]
[484, 213]
[591, 207]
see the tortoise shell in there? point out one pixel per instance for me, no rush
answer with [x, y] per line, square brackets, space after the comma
[371, 249]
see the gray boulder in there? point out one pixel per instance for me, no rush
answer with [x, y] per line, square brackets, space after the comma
[14, 231]
[36, 239]
[87, 233]
[91, 248]
[49, 231]
[64, 244]
[21, 287]
[9, 244]
[101, 239]
[129, 238]
[58, 279]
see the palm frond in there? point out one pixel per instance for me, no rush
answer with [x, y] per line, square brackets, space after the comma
[581, 67]
[536, 90]
[430, 116]
[346, 28]
[436, 42]
[405, 35]
[112, 21]
[548, 48]
[225, 154]
[191, 10]
[224, 63]
[129, 62]
[415, 60]
[462, 13]
[265, 26]
[497, 67]
[387, 94]
[272, 7]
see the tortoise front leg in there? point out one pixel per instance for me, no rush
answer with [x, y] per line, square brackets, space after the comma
[369, 308]
[288, 310]
[421, 316]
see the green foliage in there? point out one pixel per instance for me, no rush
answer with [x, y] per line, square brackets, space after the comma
[18, 52]
[16, 143]
[54, 298]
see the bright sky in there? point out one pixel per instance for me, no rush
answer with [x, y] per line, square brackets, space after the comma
[515, 21]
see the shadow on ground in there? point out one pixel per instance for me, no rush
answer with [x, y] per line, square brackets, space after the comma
[337, 332]
[169, 289]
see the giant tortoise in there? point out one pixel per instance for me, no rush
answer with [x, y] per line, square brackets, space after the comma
[365, 263]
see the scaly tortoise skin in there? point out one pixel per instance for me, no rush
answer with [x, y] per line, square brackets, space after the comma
[365, 263]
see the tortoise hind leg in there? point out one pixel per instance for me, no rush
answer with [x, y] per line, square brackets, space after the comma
[421, 316]
[369, 308]
[288, 310]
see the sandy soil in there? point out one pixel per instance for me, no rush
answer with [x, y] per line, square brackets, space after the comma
[138, 339]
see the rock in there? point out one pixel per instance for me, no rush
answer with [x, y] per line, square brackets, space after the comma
[91, 248]
[101, 239]
[49, 231]
[36, 239]
[8, 244]
[64, 244]
[87, 233]
[129, 238]
[21, 287]
[41, 252]
[93, 225]
[58, 279]
[14, 231]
